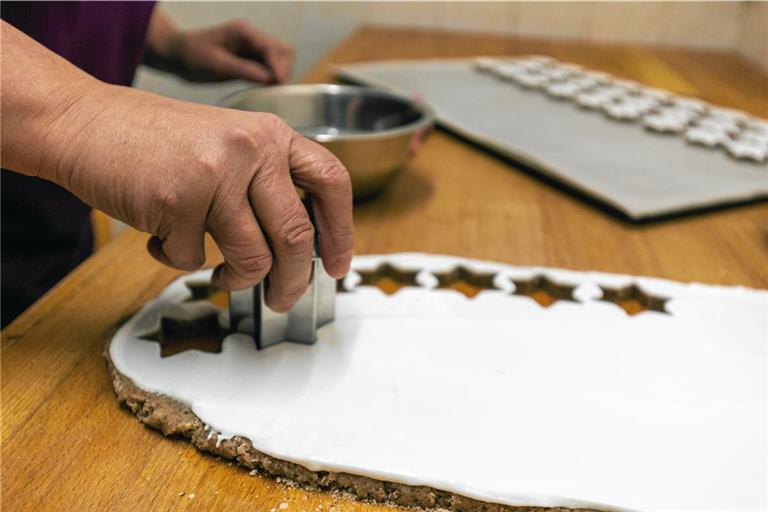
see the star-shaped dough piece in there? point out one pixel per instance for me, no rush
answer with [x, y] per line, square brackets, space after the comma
[536, 61]
[563, 89]
[584, 82]
[641, 102]
[759, 126]
[719, 124]
[747, 149]
[691, 104]
[531, 80]
[665, 123]
[627, 85]
[658, 94]
[599, 76]
[486, 64]
[610, 91]
[571, 67]
[622, 111]
[706, 136]
[728, 115]
[754, 136]
[508, 70]
[556, 73]
[592, 100]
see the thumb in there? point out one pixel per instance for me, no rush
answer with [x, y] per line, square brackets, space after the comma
[184, 251]
[228, 65]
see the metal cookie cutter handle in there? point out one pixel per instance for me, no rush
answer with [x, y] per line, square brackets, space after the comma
[249, 313]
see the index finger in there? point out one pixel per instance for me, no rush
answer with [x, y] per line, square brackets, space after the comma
[319, 173]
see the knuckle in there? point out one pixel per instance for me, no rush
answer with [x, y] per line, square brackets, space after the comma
[273, 122]
[168, 200]
[333, 173]
[253, 266]
[297, 234]
[240, 147]
[239, 138]
[205, 168]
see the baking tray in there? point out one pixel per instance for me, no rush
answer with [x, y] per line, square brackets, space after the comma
[641, 174]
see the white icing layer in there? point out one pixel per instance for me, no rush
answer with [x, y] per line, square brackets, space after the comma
[496, 397]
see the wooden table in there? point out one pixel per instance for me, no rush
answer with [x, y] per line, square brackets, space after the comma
[66, 445]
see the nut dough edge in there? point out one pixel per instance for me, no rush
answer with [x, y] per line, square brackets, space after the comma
[173, 418]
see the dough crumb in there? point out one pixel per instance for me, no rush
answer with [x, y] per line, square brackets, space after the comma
[283, 506]
[253, 472]
[278, 480]
[191, 496]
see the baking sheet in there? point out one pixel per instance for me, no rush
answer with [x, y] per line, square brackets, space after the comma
[639, 173]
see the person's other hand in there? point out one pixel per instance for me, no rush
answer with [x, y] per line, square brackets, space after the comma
[235, 50]
[177, 169]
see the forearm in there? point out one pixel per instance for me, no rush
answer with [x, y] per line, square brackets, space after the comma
[39, 91]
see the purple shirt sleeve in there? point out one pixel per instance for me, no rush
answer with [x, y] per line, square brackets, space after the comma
[46, 231]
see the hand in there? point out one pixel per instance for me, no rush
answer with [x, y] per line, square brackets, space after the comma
[177, 169]
[230, 51]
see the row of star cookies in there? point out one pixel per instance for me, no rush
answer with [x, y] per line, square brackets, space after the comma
[742, 136]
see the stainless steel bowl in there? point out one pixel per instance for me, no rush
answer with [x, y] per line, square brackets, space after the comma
[369, 130]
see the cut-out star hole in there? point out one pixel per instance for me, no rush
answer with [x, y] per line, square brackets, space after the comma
[634, 300]
[175, 336]
[465, 281]
[200, 333]
[388, 278]
[543, 290]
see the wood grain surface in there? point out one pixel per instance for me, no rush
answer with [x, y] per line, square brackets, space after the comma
[66, 445]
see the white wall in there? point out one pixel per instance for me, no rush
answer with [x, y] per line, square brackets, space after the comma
[315, 28]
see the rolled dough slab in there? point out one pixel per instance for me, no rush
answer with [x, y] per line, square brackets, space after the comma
[454, 402]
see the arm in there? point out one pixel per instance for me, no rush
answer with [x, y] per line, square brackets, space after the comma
[229, 51]
[177, 169]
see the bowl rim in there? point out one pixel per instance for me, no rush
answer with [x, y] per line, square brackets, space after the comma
[427, 117]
